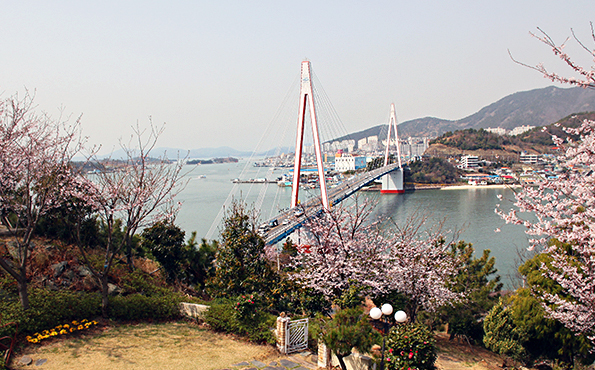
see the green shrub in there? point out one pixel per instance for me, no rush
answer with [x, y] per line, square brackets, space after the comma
[221, 316]
[49, 309]
[140, 307]
[410, 346]
[502, 335]
[140, 282]
[243, 316]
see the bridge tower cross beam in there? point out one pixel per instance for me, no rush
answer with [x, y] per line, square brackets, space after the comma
[307, 100]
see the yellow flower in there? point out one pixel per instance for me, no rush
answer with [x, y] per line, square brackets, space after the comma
[75, 323]
[66, 326]
[80, 327]
[63, 331]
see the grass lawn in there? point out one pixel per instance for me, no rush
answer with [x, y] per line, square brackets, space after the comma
[176, 345]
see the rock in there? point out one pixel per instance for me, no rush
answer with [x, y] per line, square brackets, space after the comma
[239, 364]
[84, 271]
[112, 289]
[89, 283]
[41, 361]
[70, 275]
[25, 360]
[59, 268]
[258, 363]
[51, 285]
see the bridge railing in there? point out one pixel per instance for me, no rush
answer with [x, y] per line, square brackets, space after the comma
[313, 206]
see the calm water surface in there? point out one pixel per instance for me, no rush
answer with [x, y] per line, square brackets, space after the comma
[471, 211]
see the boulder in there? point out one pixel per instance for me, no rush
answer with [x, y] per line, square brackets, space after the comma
[84, 271]
[113, 289]
[59, 268]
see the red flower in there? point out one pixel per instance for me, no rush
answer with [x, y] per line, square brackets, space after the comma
[410, 354]
[390, 350]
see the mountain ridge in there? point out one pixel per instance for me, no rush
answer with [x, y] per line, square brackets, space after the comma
[537, 107]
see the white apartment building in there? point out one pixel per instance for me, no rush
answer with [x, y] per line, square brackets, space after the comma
[497, 130]
[469, 161]
[519, 130]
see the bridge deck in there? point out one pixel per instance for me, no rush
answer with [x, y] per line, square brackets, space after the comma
[314, 206]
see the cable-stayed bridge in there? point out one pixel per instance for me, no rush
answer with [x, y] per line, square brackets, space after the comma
[283, 224]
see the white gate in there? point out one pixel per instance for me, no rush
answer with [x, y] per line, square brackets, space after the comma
[296, 336]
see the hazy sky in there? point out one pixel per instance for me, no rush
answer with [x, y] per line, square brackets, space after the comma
[217, 71]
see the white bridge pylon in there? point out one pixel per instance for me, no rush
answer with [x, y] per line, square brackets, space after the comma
[307, 100]
[393, 182]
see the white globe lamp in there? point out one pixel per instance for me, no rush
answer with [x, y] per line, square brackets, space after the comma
[400, 316]
[375, 313]
[387, 309]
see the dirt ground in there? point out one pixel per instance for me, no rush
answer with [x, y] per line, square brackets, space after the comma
[186, 345]
[178, 346]
[459, 355]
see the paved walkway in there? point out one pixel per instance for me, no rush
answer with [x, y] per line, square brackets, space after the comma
[299, 361]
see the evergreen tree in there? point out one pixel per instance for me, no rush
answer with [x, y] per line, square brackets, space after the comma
[240, 263]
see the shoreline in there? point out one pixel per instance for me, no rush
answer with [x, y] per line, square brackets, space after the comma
[448, 187]
[493, 186]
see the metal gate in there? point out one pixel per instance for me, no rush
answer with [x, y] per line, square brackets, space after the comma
[296, 336]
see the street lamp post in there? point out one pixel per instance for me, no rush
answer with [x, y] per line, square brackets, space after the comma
[382, 315]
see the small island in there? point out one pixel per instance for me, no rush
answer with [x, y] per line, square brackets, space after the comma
[213, 160]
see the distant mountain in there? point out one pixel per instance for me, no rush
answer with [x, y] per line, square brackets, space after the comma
[537, 107]
[202, 153]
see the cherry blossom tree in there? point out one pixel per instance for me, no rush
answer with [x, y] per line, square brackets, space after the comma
[137, 191]
[346, 248]
[422, 267]
[35, 152]
[564, 224]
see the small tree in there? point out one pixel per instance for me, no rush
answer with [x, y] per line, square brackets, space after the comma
[474, 279]
[137, 192]
[348, 329]
[240, 263]
[165, 241]
[35, 152]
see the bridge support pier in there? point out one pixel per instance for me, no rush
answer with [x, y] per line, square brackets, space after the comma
[392, 182]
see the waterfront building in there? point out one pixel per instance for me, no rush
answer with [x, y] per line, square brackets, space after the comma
[347, 162]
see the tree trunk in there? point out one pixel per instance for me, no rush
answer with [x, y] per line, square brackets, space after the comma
[23, 293]
[104, 297]
[341, 362]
